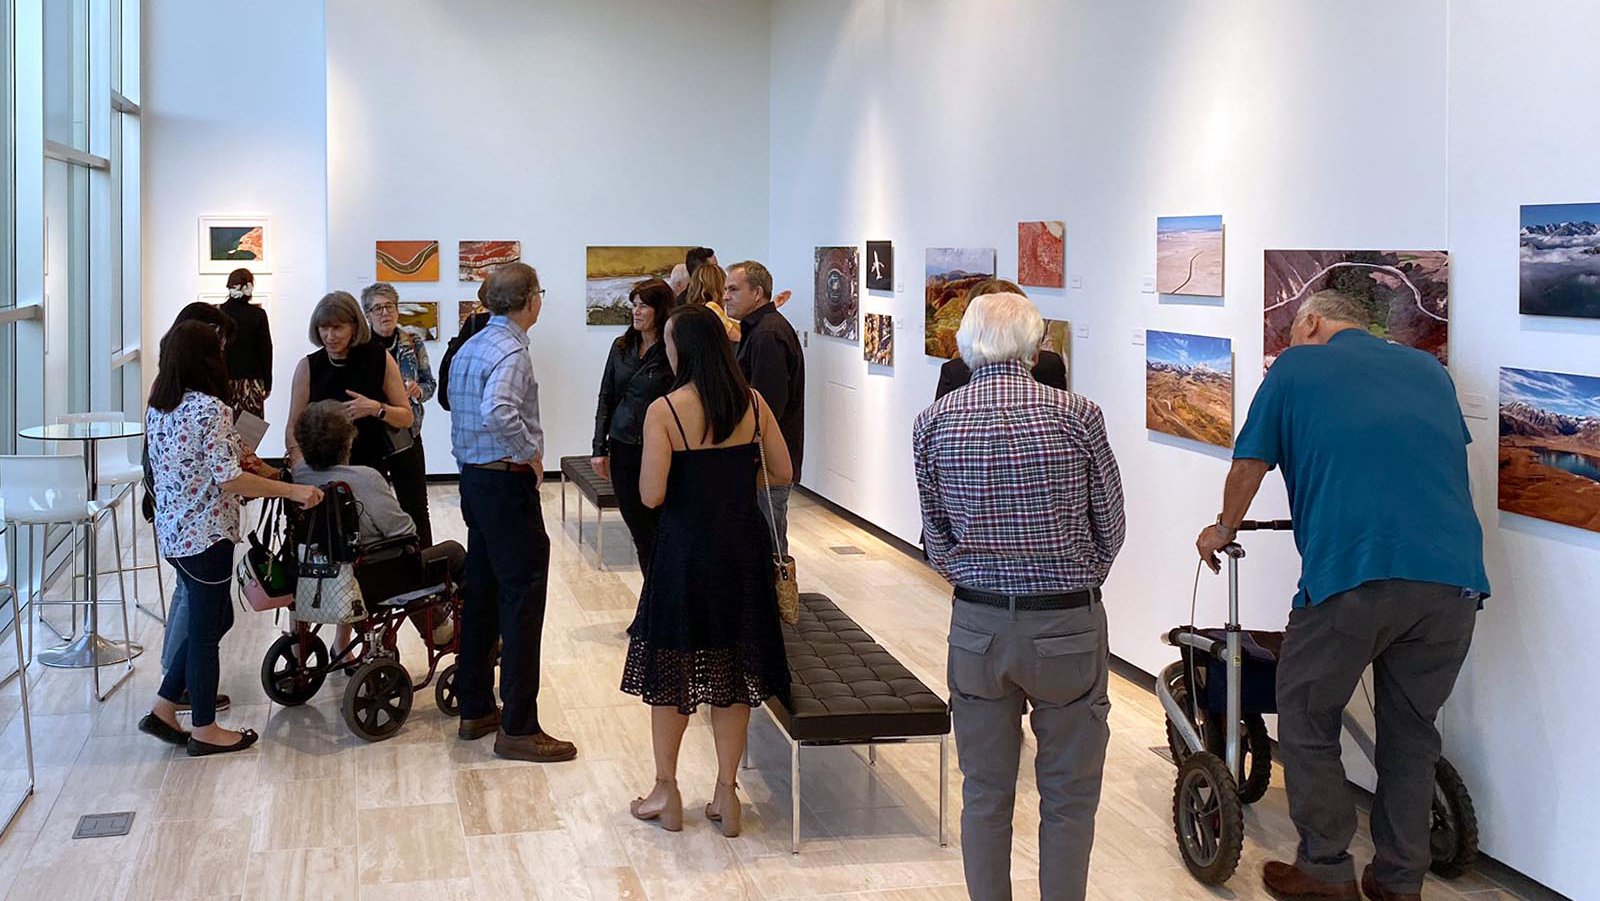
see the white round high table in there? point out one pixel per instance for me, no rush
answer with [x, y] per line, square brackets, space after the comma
[90, 648]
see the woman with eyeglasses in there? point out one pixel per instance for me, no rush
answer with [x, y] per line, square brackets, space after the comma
[408, 470]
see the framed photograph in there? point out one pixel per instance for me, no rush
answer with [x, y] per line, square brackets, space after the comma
[880, 266]
[230, 242]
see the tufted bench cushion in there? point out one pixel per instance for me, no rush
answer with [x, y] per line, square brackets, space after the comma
[845, 687]
[580, 472]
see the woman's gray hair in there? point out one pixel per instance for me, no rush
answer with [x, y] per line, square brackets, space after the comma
[336, 307]
[325, 433]
[998, 328]
[378, 289]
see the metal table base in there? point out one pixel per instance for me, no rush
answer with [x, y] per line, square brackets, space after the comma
[90, 650]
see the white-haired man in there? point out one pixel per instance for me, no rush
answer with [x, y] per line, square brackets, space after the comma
[1374, 454]
[1022, 512]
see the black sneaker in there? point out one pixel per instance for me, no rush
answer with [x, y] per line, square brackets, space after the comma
[223, 702]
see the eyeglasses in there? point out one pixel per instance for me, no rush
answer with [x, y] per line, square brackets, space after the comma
[382, 308]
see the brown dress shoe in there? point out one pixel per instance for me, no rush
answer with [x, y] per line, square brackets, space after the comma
[539, 747]
[1286, 882]
[1370, 886]
[474, 729]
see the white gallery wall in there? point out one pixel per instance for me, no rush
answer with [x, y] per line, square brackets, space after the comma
[235, 124]
[560, 124]
[1362, 125]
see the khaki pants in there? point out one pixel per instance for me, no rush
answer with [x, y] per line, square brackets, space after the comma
[1002, 664]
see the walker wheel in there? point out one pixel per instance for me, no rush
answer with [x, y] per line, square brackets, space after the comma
[378, 699]
[294, 668]
[1208, 818]
[1454, 836]
[444, 692]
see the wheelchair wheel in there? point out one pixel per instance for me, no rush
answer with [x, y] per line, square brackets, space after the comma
[292, 672]
[1255, 754]
[444, 692]
[378, 699]
[1454, 837]
[1208, 818]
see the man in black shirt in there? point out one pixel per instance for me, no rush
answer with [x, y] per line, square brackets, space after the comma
[769, 353]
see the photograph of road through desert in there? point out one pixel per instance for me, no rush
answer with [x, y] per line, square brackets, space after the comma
[1189, 387]
[1406, 294]
[1550, 446]
[1189, 255]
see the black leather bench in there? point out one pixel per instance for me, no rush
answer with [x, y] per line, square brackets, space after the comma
[597, 491]
[847, 690]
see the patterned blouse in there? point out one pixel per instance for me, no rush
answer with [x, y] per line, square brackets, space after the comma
[406, 348]
[193, 450]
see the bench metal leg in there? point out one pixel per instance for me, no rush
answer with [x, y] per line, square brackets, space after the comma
[744, 762]
[944, 786]
[580, 524]
[872, 755]
[600, 537]
[794, 797]
[563, 497]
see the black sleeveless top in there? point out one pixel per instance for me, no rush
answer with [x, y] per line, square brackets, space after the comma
[362, 371]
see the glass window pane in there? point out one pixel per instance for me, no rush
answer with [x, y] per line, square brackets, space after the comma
[66, 72]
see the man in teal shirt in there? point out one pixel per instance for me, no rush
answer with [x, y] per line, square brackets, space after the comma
[1374, 455]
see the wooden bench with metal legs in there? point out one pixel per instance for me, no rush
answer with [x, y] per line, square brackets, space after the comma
[597, 491]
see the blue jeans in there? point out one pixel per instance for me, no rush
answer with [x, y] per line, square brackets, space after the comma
[177, 626]
[205, 579]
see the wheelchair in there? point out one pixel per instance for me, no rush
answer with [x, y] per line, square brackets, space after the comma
[410, 582]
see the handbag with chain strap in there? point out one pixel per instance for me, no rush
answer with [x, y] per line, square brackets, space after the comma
[783, 568]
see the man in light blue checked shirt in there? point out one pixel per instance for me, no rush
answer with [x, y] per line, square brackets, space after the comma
[499, 445]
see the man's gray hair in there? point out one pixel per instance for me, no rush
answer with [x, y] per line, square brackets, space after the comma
[679, 279]
[1334, 306]
[998, 328]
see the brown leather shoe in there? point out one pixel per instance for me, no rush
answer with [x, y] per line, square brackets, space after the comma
[539, 748]
[1286, 882]
[1370, 886]
[474, 729]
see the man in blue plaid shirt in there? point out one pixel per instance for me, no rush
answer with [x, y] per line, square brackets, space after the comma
[1022, 512]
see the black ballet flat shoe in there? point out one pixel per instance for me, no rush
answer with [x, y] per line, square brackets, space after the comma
[198, 748]
[154, 725]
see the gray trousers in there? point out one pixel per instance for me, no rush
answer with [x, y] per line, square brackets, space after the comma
[1415, 636]
[1003, 663]
[777, 515]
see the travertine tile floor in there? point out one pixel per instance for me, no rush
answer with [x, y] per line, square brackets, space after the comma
[315, 813]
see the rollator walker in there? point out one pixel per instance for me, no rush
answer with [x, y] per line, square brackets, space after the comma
[1215, 699]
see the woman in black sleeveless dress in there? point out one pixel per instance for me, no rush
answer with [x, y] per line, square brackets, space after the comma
[356, 371]
[707, 628]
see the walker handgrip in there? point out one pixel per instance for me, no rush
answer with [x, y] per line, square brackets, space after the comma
[1266, 525]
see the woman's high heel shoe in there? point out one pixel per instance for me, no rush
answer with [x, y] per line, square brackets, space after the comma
[724, 809]
[670, 816]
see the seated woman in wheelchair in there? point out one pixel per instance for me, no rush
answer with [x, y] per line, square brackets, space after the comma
[325, 434]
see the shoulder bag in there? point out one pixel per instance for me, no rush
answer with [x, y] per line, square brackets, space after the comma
[783, 568]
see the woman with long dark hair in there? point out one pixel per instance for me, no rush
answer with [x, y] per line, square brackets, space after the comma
[195, 458]
[249, 352]
[637, 372]
[707, 628]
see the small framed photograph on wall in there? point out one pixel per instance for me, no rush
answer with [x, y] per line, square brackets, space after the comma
[230, 242]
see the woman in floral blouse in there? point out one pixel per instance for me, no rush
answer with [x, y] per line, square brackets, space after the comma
[408, 470]
[196, 459]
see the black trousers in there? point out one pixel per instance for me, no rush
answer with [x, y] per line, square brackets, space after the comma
[626, 460]
[507, 577]
[206, 584]
[408, 473]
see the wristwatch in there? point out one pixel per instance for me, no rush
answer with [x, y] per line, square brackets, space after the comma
[383, 409]
[1229, 533]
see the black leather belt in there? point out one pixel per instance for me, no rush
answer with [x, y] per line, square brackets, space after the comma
[1066, 600]
[503, 466]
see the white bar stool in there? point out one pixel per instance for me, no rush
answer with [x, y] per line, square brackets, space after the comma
[21, 674]
[120, 467]
[39, 491]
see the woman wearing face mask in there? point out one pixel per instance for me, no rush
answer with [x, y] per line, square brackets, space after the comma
[250, 350]
[636, 374]
[408, 470]
[356, 371]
